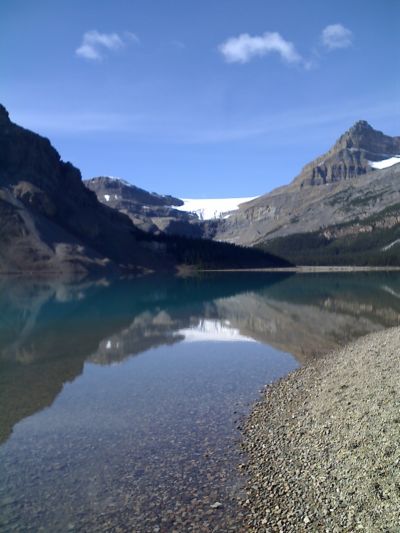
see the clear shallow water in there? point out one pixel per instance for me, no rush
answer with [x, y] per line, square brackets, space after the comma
[120, 403]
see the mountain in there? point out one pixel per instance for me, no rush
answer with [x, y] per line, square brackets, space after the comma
[50, 223]
[341, 208]
[156, 213]
[371, 241]
[46, 332]
[213, 208]
[353, 155]
[150, 212]
[356, 179]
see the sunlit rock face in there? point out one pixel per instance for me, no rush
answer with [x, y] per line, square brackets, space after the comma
[355, 179]
[350, 157]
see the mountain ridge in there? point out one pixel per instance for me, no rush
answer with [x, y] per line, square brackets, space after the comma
[350, 156]
[151, 212]
[315, 197]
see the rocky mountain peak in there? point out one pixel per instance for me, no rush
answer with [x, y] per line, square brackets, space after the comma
[4, 117]
[364, 137]
[361, 126]
[359, 131]
[351, 156]
[116, 189]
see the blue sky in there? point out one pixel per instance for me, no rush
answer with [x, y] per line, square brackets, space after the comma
[207, 98]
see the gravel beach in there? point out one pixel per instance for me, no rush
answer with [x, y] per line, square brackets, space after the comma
[323, 444]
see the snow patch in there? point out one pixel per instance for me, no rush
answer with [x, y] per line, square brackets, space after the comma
[385, 163]
[108, 196]
[391, 291]
[209, 208]
[397, 241]
[124, 182]
[213, 330]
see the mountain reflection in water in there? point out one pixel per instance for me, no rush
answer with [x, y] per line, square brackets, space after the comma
[48, 330]
[93, 437]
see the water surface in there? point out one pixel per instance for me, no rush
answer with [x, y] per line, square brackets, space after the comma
[121, 402]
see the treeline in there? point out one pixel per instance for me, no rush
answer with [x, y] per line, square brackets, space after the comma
[208, 254]
[359, 249]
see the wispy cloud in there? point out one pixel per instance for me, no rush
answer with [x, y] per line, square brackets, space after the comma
[202, 128]
[76, 122]
[178, 44]
[95, 44]
[336, 36]
[245, 47]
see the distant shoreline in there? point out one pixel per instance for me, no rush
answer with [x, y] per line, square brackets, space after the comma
[308, 269]
[185, 270]
[323, 443]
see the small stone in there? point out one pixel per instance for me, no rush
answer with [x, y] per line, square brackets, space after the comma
[216, 505]
[306, 520]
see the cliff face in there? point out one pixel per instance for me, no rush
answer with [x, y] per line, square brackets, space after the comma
[350, 156]
[49, 221]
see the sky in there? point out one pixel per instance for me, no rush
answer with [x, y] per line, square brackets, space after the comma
[210, 98]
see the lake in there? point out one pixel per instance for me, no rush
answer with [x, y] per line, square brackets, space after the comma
[121, 402]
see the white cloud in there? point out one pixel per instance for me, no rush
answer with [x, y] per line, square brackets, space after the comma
[337, 36]
[95, 44]
[243, 48]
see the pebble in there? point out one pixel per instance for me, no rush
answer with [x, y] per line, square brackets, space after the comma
[216, 505]
[323, 444]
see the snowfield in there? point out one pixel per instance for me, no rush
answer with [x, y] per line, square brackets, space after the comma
[213, 330]
[209, 208]
[124, 182]
[385, 163]
[204, 208]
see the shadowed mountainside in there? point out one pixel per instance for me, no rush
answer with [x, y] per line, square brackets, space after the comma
[49, 221]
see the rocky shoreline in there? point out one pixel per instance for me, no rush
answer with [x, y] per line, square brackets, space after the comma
[323, 444]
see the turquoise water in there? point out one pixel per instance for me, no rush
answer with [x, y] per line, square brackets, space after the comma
[121, 403]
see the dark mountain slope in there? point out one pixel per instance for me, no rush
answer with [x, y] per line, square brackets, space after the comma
[372, 241]
[49, 221]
